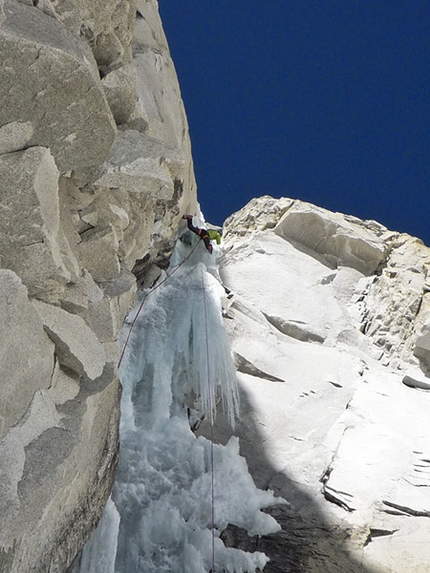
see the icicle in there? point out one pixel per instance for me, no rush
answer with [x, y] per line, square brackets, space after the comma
[178, 349]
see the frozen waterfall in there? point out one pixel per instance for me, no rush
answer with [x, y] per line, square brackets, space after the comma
[168, 507]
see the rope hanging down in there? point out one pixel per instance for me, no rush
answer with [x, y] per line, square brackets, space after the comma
[211, 421]
[208, 381]
[146, 296]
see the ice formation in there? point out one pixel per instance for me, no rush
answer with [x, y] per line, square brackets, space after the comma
[175, 493]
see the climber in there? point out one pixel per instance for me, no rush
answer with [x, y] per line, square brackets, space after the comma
[206, 235]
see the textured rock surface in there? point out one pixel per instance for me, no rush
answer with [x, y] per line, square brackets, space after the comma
[341, 240]
[31, 238]
[95, 173]
[50, 80]
[328, 318]
[21, 328]
[76, 346]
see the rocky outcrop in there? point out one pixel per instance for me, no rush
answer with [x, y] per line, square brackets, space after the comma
[329, 322]
[95, 173]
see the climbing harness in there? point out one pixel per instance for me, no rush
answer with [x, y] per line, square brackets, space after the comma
[146, 296]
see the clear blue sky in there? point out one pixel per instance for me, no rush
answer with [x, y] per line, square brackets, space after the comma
[326, 101]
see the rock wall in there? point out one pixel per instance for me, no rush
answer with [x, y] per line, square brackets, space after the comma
[95, 173]
[329, 322]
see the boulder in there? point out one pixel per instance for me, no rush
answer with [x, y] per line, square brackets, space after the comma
[107, 210]
[76, 346]
[51, 83]
[120, 87]
[32, 240]
[26, 353]
[422, 349]
[339, 240]
[98, 252]
[64, 386]
[259, 214]
[415, 378]
[106, 304]
[107, 26]
[297, 329]
[141, 164]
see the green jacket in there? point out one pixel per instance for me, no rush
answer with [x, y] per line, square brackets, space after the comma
[214, 235]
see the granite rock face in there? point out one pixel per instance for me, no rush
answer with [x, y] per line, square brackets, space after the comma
[95, 174]
[51, 84]
[329, 322]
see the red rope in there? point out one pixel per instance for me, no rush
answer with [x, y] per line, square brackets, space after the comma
[146, 296]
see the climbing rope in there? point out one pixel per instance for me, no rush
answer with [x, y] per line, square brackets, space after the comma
[146, 296]
[211, 421]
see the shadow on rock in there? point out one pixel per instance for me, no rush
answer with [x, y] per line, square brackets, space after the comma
[308, 541]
